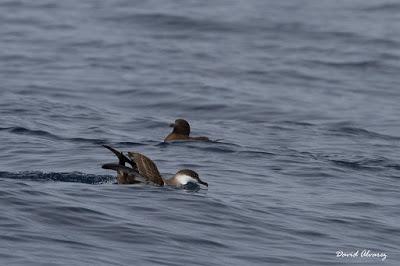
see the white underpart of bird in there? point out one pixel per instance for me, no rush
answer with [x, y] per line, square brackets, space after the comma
[184, 179]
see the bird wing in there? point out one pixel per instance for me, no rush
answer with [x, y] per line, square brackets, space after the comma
[146, 168]
[121, 157]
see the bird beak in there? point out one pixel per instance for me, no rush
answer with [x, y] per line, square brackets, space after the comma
[172, 125]
[203, 183]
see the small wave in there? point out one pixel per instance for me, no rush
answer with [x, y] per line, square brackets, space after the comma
[298, 123]
[257, 154]
[88, 140]
[24, 59]
[364, 164]
[394, 166]
[74, 177]
[358, 204]
[355, 131]
[219, 143]
[301, 75]
[217, 147]
[171, 21]
[128, 143]
[385, 7]
[26, 131]
[347, 64]
[19, 4]
[48, 135]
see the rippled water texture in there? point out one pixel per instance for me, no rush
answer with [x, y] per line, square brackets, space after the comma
[302, 96]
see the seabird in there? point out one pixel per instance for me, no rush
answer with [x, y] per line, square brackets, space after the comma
[181, 131]
[144, 170]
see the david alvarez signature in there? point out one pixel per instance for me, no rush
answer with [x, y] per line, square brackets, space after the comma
[366, 253]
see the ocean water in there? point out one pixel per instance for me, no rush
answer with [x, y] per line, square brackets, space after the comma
[301, 96]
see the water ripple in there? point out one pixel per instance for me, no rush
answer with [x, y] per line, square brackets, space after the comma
[59, 177]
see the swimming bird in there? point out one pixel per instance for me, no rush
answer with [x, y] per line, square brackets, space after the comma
[144, 170]
[181, 131]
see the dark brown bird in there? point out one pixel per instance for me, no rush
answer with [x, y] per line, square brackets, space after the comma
[144, 170]
[181, 131]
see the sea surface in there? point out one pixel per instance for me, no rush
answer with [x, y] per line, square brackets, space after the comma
[301, 99]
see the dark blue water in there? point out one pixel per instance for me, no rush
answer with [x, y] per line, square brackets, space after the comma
[303, 95]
